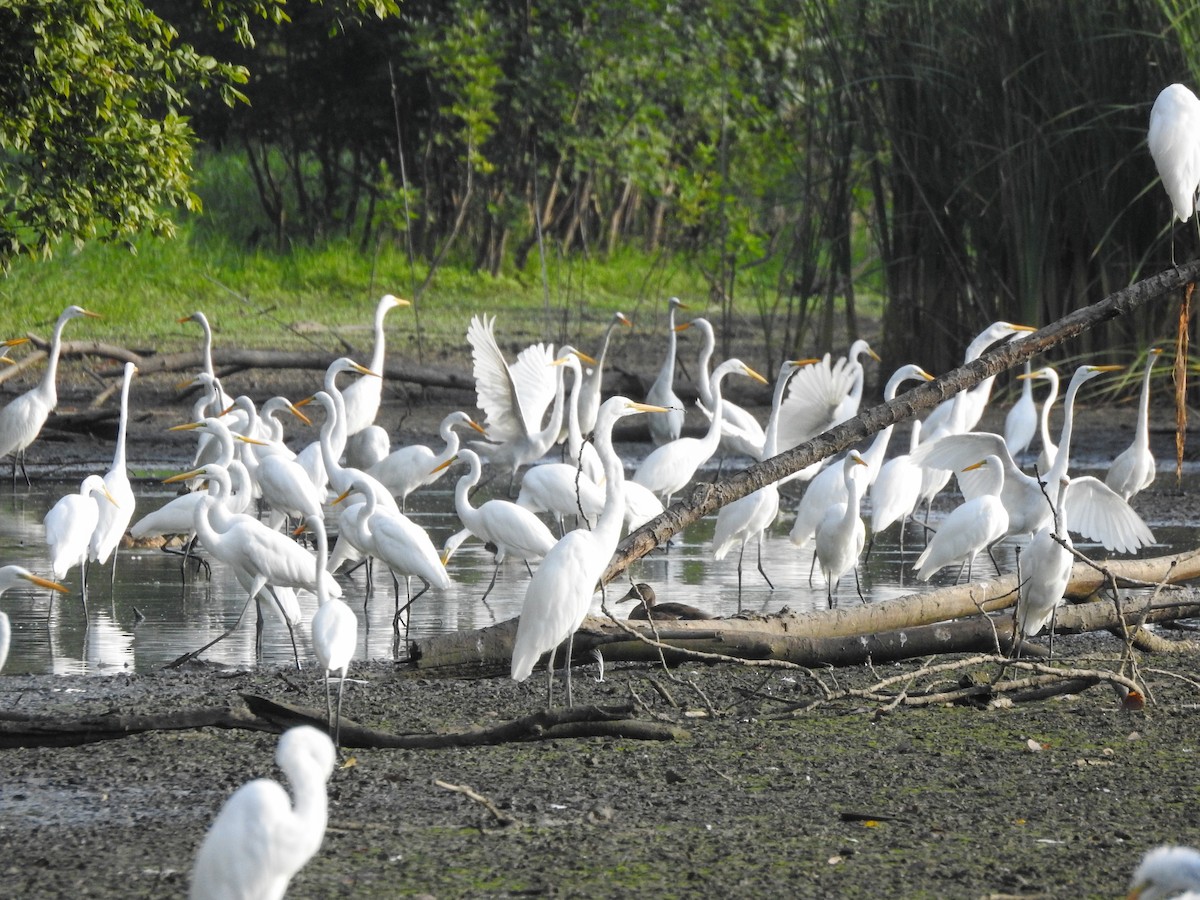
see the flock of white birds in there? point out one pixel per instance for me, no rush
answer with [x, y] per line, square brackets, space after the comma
[263, 836]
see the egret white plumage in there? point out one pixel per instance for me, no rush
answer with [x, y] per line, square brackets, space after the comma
[740, 431]
[69, 526]
[841, 534]
[821, 396]
[896, 489]
[641, 505]
[749, 517]
[260, 840]
[973, 526]
[1174, 142]
[1095, 510]
[320, 458]
[113, 518]
[1045, 569]
[1049, 447]
[662, 392]
[1166, 872]
[1020, 424]
[334, 631]
[560, 592]
[593, 377]
[516, 532]
[22, 420]
[362, 397]
[1133, 470]
[14, 577]
[514, 398]
[671, 467]
[408, 468]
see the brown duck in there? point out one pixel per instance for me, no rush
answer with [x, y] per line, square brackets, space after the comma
[648, 607]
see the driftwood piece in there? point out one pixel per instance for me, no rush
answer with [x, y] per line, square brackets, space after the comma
[704, 499]
[945, 620]
[263, 714]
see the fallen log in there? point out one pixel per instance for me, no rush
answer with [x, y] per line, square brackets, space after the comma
[945, 620]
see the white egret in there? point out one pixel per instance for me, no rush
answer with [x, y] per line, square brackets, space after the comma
[1049, 448]
[1020, 424]
[662, 391]
[400, 543]
[589, 398]
[671, 467]
[320, 458]
[114, 517]
[1045, 571]
[821, 396]
[260, 840]
[740, 431]
[514, 398]
[841, 534]
[13, 577]
[69, 525]
[1174, 142]
[206, 359]
[363, 397]
[22, 420]
[1133, 470]
[641, 505]
[896, 489]
[516, 532]
[749, 517]
[334, 631]
[1166, 872]
[579, 452]
[560, 592]
[285, 486]
[829, 486]
[408, 468]
[973, 526]
[1095, 510]
[368, 447]
[647, 607]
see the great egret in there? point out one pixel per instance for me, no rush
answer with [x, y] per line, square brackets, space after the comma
[320, 458]
[362, 398]
[662, 391]
[404, 470]
[821, 396]
[589, 397]
[1049, 448]
[749, 517]
[401, 544]
[1045, 570]
[896, 489]
[260, 840]
[334, 631]
[22, 420]
[740, 431]
[579, 453]
[560, 592]
[206, 360]
[671, 467]
[1174, 142]
[69, 526]
[1095, 510]
[647, 607]
[828, 488]
[13, 577]
[1020, 425]
[114, 517]
[840, 536]
[1133, 470]
[516, 532]
[514, 398]
[1166, 872]
[641, 505]
[973, 526]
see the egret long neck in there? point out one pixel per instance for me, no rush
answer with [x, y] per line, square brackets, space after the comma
[380, 340]
[1063, 457]
[771, 442]
[48, 387]
[1047, 406]
[668, 366]
[702, 363]
[119, 452]
[574, 433]
[1142, 432]
[608, 526]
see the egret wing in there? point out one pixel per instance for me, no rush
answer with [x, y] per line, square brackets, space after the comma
[814, 396]
[1098, 513]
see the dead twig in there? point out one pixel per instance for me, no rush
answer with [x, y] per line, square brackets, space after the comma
[505, 819]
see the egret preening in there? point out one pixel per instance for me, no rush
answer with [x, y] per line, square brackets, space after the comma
[841, 534]
[1166, 872]
[561, 589]
[22, 420]
[516, 532]
[1174, 142]
[114, 517]
[1133, 471]
[1045, 571]
[662, 391]
[69, 526]
[970, 527]
[13, 577]
[671, 467]
[260, 839]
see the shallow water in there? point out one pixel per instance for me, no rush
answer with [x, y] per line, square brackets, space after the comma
[150, 616]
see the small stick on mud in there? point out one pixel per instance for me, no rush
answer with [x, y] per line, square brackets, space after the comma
[500, 815]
